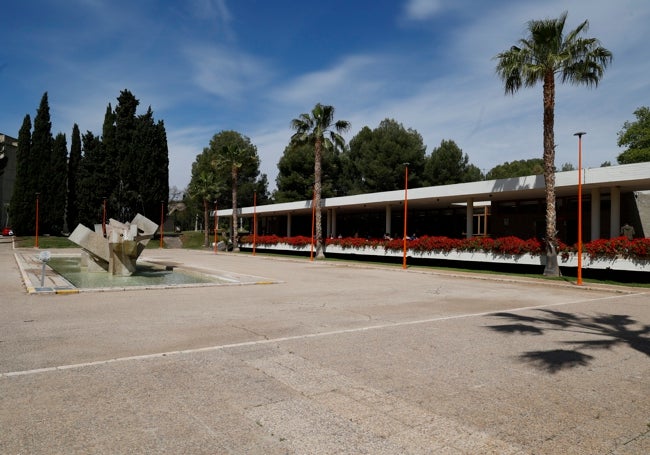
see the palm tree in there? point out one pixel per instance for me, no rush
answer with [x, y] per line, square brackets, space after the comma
[234, 157]
[320, 130]
[545, 52]
[205, 188]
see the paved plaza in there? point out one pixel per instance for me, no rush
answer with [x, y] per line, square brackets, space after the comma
[301, 357]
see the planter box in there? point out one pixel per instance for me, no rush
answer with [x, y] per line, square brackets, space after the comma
[475, 256]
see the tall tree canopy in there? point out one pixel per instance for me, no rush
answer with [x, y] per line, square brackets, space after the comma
[72, 211]
[636, 137]
[249, 178]
[517, 168]
[90, 185]
[544, 53]
[234, 157]
[41, 169]
[319, 129]
[295, 180]
[375, 161]
[22, 208]
[447, 164]
[204, 188]
[212, 173]
[55, 194]
[128, 165]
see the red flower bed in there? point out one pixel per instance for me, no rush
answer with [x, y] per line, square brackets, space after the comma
[608, 248]
[619, 247]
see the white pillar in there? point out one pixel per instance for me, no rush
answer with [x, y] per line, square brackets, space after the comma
[595, 214]
[388, 227]
[469, 222]
[288, 224]
[615, 212]
[333, 223]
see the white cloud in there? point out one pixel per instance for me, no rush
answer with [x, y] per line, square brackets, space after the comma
[354, 75]
[225, 72]
[422, 9]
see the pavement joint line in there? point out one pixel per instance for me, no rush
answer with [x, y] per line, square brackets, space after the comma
[299, 337]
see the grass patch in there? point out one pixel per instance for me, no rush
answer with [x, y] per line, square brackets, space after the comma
[194, 240]
[44, 242]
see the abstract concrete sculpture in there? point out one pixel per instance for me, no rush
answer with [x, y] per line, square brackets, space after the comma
[118, 251]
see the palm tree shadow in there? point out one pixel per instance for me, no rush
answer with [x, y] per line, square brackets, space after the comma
[556, 359]
[603, 331]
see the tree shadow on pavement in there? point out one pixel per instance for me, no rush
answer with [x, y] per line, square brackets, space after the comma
[603, 331]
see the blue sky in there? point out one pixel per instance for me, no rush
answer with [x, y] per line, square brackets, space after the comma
[210, 65]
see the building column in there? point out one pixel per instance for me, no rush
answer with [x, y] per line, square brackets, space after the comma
[615, 212]
[333, 223]
[388, 227]
[328, 223]
[469, 222]
[288, 224]
[595, 214]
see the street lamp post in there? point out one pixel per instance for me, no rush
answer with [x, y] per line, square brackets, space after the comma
[579, 134]
[36, 241]
[406, 186]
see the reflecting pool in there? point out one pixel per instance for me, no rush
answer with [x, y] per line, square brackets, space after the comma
[145, 275]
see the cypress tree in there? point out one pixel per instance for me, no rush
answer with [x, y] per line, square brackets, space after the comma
[72, 212]
[41, 152]
[22, 207]
[127, 163]
[108, 170]
[41, 145]
[89, 198]
[153, 164]
[54, 189]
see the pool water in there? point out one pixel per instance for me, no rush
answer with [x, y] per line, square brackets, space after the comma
[145, 275]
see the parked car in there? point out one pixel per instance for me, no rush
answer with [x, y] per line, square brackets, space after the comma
[7, 231]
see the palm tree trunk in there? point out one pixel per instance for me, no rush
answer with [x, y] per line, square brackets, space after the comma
[317, 190]
[552, 268]
[235, 227]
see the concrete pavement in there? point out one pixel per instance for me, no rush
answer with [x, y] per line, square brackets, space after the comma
[332, 358]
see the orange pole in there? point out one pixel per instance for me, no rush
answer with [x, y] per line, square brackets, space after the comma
[579, 280]
[406, 185]
[36, 244]
[254, 221]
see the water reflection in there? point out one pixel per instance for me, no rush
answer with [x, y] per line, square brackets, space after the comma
[145, 275]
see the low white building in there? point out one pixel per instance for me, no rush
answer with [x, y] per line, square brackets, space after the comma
[611, 196]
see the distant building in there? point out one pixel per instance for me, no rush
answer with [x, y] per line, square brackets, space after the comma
[8, 152]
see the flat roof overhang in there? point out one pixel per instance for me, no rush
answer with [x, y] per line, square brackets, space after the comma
[629, 177]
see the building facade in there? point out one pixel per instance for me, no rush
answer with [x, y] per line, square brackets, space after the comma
[611, 197]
